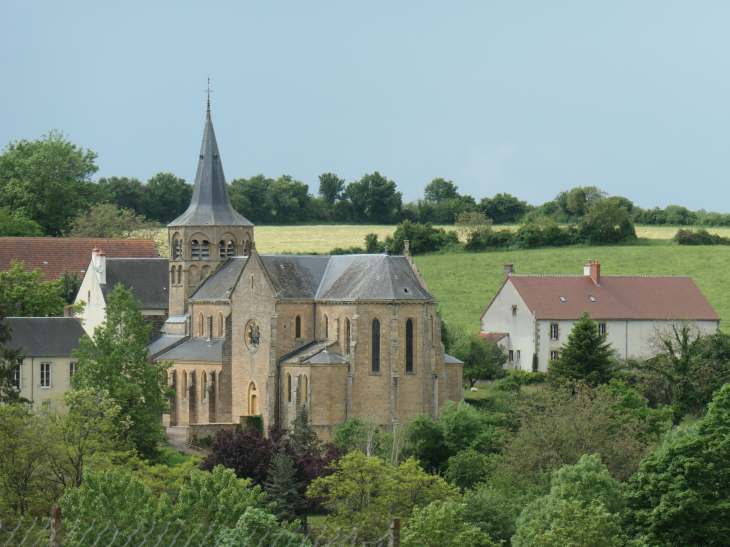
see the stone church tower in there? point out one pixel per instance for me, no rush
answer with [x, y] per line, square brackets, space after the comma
[209, 232]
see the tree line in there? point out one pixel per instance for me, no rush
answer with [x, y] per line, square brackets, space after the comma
[46, 187]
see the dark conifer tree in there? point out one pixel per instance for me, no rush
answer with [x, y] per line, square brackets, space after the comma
[302, 436]
[586, 356]
[283, 488]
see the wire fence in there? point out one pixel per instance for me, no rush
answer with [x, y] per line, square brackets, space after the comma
[56, 532]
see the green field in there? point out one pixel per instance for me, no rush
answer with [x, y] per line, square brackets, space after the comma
[466, 282]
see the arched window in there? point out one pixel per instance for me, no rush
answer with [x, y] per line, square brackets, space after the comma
[288, 387]
[409, 345]
[253, 405]
[178, 249]
[375, 345]
[222, 249]
[326, 327]
[347, 336]
[203, 384]
[172, 275]
[230, 249]
[185, 383]
[305, 387]
[220, 324]
[200, 324]
[205, 250]
[298, 327]
[195, 249]
[179, 275]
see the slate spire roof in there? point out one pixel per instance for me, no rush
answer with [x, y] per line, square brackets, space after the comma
[210, 204]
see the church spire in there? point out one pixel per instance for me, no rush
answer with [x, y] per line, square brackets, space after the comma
[210, 204]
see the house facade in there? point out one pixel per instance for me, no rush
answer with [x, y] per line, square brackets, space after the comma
[257, 335]
[531, 316]
[146, 277]
[46, 366]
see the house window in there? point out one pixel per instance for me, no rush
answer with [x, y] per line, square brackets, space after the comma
[205, 251]
[553, 331]
[602, 329]
[554, 355]
[409, 345]
[514, 310]
[72, 369]
[298, 327]
[17, 377]
[195, 249]
[347, 336]
[518, 355]
[511, 356]
[375, 346]
[45, 374]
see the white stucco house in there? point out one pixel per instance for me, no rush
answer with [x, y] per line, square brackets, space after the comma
[147, 278]
[533, 314]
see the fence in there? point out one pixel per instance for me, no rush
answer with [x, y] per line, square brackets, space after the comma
[54, 532]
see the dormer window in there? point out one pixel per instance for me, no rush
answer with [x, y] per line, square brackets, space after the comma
[563, 299]
[592, 298]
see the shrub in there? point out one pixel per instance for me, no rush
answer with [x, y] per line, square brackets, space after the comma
[423, 238]
[699, 237]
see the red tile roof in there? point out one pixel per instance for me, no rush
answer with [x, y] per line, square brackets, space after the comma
[617, 297]
[492, 337]
[53, 254]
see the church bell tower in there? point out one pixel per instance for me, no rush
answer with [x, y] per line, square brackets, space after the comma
[209, 232]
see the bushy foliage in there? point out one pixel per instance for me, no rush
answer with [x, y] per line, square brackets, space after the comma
[482, 359]
[423, 238]
[679, 496]
[13, 225]
[493, 511]
[699, 237]
[442, 524]
[25, 293]
[105, 220]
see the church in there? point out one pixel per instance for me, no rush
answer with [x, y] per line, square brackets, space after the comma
[254, 337]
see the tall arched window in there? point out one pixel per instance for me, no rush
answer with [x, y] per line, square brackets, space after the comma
[172, 275]
[185, 383]
[347, 335]
[205, 250]
[203, 384]
[253, 405]
[179, 275]
[222, 249]
[220, 324]
[298, 327]
[305, 388]
[326, 327]
[178, 249]
[200, 324]
[195, 249]
[409, 345]
[375, 345]
[288, 387]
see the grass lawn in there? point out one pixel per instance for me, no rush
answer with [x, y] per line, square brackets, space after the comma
[466, 282]
[173, 458]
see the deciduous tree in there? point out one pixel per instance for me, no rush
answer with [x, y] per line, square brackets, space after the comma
[375, 199]
[24, 293]
[105, 220]
[482, 360]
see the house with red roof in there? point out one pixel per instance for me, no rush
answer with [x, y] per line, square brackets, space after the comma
[55, 254]
[531, 316]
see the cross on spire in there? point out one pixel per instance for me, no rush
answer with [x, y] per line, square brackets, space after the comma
[208, 91]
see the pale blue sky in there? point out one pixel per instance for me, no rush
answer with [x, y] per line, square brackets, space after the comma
[523, 97]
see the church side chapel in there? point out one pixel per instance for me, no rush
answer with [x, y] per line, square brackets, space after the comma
[258, 336]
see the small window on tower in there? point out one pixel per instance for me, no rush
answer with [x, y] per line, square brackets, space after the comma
[230, 249]
[195, 249]
[205, 251]
[222, 250]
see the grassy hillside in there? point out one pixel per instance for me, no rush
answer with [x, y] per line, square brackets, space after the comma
[466, 282]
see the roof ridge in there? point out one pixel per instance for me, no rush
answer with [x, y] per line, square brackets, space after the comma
[324, 275]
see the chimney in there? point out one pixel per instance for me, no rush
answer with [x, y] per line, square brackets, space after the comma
[509, 269]
[593, 269]
[407, 247]
[100, 267]
[68, 311]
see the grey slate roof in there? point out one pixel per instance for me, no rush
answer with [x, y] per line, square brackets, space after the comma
[146, 277]
[219, 285]
[196, 349]
[344, 277]
[163, 342]
[210, 204]
[449, 359]
[295, 276]
[314, 353]
[45, 336]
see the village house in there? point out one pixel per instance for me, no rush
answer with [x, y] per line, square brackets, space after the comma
[53, 255]
[145, 277]
[531, 316]
[259, 336]
[46, 364]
